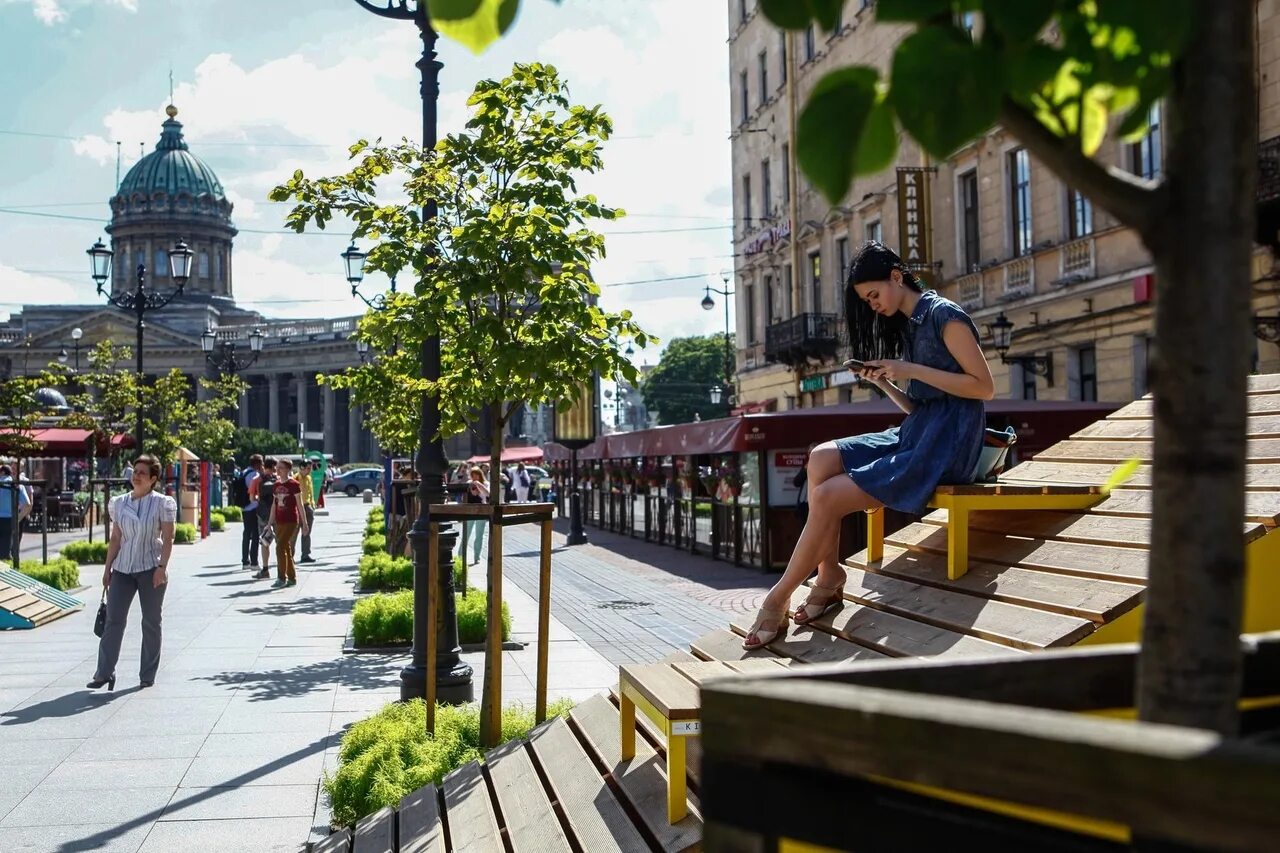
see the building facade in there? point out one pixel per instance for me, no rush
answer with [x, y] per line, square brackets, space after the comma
[999, 232]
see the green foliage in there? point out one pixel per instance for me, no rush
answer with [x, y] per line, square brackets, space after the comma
[217, 522]
[389, 755]
[21, 411]
[502, 274]
[376, 512]
[374, 544]
[383, 571]
[376, 527]
[386, 619]
[246, 441]
[184, 534]
[232, 513]
[108, 391]
[86, 553]
[59, 573]
[680, 385]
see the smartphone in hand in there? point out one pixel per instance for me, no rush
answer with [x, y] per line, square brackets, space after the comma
[855, 364]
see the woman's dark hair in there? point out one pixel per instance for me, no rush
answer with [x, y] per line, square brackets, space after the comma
[873, 336]
[152, 466]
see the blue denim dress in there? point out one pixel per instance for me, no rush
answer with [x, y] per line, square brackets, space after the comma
[939, 442]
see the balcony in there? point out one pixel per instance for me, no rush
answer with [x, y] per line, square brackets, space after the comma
[804, 336]
[1268, 229]
[1020, 276]
[969, 291]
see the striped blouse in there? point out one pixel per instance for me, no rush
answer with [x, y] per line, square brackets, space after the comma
[139, 523]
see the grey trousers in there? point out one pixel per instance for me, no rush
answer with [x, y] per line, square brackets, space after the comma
[119, 600]
[306, 537]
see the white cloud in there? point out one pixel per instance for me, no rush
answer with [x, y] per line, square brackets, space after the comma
[35, 289]
[51, 12]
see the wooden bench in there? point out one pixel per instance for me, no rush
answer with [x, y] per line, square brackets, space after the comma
[959, 501]
[668, 694]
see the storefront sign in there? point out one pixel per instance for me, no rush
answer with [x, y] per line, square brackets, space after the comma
[842, 377]
[914, 220]
[813, 383]
[767, 238]
[781, 471]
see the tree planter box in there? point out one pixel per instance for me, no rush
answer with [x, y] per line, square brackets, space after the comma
[1019, 753]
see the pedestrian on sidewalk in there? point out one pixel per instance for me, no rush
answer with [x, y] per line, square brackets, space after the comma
[137, 564]
[520, 483]
[308, 507]
[287, 518]
[477, 493]
[245, 488]
[265, 492]
[11, 522]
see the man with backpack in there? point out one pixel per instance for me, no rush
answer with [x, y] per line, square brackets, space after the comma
[243, 495]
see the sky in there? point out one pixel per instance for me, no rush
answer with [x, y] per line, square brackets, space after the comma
[264, 87]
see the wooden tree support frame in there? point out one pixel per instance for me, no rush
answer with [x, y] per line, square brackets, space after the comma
[499, 516]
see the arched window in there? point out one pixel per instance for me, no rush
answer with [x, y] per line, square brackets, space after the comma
[217, 269]
[204, 264]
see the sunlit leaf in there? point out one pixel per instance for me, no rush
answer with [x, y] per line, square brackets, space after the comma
[1018, 21]
[830, 130]
[796, 14]
[475, 24]
[1121, 475]
[917, 11]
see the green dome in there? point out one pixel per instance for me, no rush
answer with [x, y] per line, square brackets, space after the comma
[171, 169]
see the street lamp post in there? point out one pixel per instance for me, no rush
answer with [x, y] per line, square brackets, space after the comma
[1002, 336]
[707, 304]
[140, 300]
[575, 428]
[222, 356]
[453, 677]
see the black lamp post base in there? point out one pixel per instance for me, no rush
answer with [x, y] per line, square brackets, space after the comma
[577, 536]
[454, 686]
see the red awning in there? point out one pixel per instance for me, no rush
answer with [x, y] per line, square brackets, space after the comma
[60, 441]
[514, 454]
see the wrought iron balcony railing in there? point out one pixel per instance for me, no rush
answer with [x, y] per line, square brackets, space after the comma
[802, 337]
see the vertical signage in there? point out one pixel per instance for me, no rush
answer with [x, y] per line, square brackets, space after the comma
[915, 226]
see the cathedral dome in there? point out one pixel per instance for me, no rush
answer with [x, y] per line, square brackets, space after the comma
[171, 169]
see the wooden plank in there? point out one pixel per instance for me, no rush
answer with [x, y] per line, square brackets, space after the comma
[1259, 404]
[1085, 528]
[1258, 477]
[1256, 426]
[1125, 565]
[1008, 624]
[1257, 450]
[699, 671]
[764, 666]
[36, 609]
[376, 833]
[337, 842]
[595, 817]
[1088, 598]
[421, 830]
[674, 696]
[642, 780]
[810, 645]
[473, 827]
[1006, 489]
[1266, 383]
[532, 825]
[1260, 507]
[726, 645]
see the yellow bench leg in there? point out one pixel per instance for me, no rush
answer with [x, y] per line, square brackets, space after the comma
[677, 805]
[627, 726]
[875, 535]
[957, 542]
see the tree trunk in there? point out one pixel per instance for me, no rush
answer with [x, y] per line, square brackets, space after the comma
[1190, 667]
[495, 454]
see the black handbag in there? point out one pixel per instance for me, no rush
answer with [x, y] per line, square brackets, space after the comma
[100, 621]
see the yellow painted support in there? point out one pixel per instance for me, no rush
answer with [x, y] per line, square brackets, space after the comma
[677, 804]
[957, 542]
[629, 699]
[875, 535]
[627, 724]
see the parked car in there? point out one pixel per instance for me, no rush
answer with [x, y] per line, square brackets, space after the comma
[356, 481]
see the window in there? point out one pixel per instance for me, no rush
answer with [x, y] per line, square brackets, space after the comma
[788, 295]
[865, 4]
[162, 264]
[772, 299]
[786, 173]
[1143, 349]
[217, 266]
[766, 190]
[970, 245]
[751, 312]
[839, 22]
[873, 231]
[842, 259]
[810, 43]
[1087, 373]
[782, 54]
[1079, 215]
[815, 281]
[967, 21]
[204, 264]
[744, 96]
[746, 200]
[1145, 153]
[764, 77]
[1019, 202]
[1028, 380]
[742, 11]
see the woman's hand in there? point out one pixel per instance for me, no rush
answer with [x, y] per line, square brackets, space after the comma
[161, 576]
[891, 370]
[106, 577]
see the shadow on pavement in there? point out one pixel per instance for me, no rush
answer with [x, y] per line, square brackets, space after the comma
[63, 706]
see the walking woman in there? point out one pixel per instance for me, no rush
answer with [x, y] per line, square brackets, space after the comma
[923, 352]
[477, 493]
[137, 564]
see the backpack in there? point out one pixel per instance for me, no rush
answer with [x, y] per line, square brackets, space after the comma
[994, 454]
[239, 491]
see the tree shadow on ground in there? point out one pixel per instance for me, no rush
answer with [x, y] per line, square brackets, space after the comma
[355, 672]
[321, 605]
[63, 706]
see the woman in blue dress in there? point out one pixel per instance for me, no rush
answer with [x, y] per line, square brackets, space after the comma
[923, 352]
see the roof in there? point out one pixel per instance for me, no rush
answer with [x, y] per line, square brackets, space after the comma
[171, 169]
[1039, 423]
[514, 454]
[60, 441]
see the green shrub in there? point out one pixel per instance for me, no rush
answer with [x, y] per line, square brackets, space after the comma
[377, 513]
[376, 528]
[60, 573]
[374, 545]
[386, 619]
[217, 521]
[383, 571]
[184, 534]
[389, 755]
[86, 553]
[232, 513]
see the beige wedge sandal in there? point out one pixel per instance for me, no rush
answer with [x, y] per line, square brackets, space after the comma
[821, 599]
[778, 618]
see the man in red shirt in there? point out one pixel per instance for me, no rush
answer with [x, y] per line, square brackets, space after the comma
[287, 519]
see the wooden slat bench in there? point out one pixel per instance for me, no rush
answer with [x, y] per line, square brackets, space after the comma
[959, 501]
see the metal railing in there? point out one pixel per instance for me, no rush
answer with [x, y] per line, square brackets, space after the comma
[802, 336]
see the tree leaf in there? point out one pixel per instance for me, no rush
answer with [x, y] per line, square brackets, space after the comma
[945, 90]
[915, 11]
[879, 143]
[474, 31]
[796, 14]
[1019, 21]
[830, 130]
[452, 10]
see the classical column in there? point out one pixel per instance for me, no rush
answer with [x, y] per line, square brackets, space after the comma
[302, 376]
[202, 393]
[273, 402]
[353, 432]
[330, 403]
[243, 411]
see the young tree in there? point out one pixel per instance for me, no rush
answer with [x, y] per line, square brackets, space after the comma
[679, 387]
[502, 273]
[107, 395]
[20, 414]
[246, 441]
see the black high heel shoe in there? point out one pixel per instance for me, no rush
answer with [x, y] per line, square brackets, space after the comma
[98, 682]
